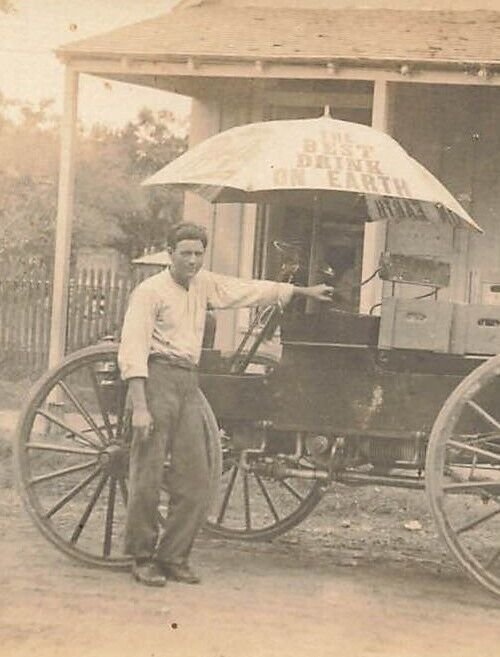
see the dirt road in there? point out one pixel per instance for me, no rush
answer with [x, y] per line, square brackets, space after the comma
[350, 581]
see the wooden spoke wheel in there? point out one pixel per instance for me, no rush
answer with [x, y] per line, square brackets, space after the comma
[255, 502]
[71, 457]
[71, 461]
[463, 474]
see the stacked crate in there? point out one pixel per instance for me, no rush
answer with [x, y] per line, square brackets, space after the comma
[440, 326]
[415, 324]
[475, 329]
[428, 323]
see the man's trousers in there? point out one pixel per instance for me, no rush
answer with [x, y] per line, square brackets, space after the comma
[183, 432]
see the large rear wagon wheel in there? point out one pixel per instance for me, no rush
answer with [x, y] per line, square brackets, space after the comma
[71, 457]
[463, 474]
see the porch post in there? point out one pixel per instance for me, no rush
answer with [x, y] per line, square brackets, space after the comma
[204, 122]
[64, 219]
[375, 232]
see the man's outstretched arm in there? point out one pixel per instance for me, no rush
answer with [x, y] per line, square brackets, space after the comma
[230, 292]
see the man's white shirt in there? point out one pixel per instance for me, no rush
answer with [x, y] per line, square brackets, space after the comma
[165, 318]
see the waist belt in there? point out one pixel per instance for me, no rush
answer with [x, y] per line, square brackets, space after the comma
[174, 361]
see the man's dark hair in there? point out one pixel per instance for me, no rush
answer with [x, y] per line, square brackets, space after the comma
[186, 231]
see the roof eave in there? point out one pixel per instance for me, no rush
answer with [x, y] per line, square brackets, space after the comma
[68, 57]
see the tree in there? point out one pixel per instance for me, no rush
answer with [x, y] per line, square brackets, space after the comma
[27, 184]
[6, 6]
[111, 207]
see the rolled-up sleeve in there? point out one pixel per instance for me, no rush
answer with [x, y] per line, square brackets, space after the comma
[230, 292]
[137, 331]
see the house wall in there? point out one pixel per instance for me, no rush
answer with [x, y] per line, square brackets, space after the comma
[452, 130]
[230, 227]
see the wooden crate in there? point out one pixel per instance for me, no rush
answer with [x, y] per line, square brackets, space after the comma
[415, 324]
[476, 329]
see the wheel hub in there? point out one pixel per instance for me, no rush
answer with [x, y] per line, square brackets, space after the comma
[114, 460]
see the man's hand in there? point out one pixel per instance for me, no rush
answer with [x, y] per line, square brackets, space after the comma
[142, 422]
[319, 292]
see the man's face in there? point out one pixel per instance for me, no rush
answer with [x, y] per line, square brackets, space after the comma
[187, 259]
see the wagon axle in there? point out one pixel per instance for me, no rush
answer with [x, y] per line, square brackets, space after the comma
[279, 470]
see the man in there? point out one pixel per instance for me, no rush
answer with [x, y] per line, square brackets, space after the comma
[159, 351]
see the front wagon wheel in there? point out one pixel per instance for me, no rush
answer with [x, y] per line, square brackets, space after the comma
[463, 474]
[71, 457]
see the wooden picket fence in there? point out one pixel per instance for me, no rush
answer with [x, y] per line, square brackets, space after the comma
[97, 304]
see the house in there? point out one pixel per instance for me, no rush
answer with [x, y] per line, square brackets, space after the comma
[430, 78]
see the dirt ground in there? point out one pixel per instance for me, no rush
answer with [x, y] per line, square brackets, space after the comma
[350, 581]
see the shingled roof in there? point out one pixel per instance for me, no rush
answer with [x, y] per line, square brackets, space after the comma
[217, 31]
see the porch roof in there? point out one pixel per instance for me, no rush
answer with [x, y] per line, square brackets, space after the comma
[222, 32]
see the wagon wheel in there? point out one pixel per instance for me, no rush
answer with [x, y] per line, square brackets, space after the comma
[463, 474]
[253, 506]
[71, 464]
[71, 457]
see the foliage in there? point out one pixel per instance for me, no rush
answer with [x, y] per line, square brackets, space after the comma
[111, 207]
[7, 6]
[27, 181]
[118, 211]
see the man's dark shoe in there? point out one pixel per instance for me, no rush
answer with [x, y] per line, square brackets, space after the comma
[148, 573]
[179, 572]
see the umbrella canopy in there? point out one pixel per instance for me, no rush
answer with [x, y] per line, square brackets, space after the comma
[160, 259]
[277, 161]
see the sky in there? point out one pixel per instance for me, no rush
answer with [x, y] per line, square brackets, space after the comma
[29, 69]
